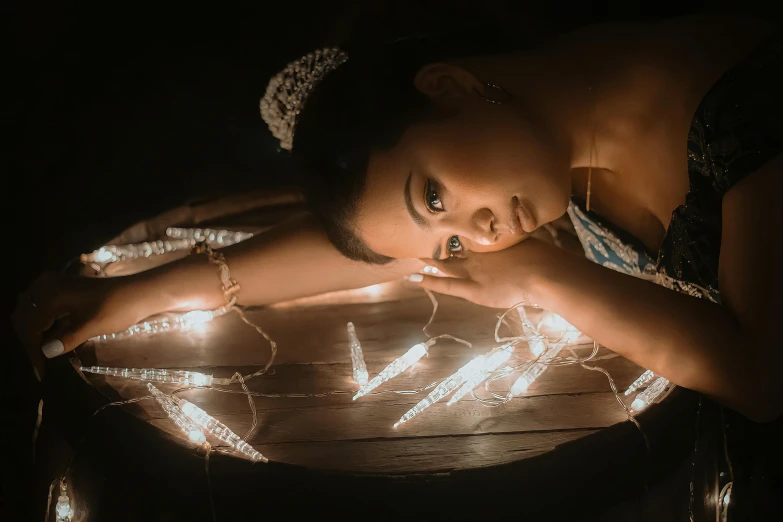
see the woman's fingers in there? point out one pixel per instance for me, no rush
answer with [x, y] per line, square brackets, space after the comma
[63, 338]
[446, 285]
[449, 268]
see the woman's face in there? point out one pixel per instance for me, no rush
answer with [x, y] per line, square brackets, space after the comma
[480, 180]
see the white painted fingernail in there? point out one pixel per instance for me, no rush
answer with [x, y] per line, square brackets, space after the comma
[53, 348]
[416, 278]
[37, 375]
[430, 270]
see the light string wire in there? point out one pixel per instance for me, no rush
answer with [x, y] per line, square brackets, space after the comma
[494, 375]
[434, 301]
[62, 478]
[556, 361]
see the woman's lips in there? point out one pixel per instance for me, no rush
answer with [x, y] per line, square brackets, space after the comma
[524, 217]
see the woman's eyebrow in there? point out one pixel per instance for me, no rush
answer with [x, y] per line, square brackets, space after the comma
[417, 218]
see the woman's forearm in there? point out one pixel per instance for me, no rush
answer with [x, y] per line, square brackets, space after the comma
[692, 342]
[290, 261]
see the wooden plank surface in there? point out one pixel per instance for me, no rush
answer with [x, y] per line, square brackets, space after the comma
[306, 415]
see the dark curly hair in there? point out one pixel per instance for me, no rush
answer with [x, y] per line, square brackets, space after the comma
[366, 105]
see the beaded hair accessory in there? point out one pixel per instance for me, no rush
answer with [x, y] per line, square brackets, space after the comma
[288, 90]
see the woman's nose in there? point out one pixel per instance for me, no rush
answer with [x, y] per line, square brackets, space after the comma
[482, 227]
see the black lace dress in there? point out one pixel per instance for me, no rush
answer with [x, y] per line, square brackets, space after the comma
[737, 128]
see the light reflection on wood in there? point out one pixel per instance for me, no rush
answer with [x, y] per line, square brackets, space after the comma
[336, 433]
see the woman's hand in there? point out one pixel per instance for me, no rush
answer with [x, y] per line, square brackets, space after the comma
[60, 312]
[495, 279]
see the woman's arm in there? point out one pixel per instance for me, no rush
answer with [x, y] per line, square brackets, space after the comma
[732, 352]
[293, 260]
[692, 342]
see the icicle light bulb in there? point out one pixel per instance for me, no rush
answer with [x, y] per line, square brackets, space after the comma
[360, 374]
[180, 239]
[167, 323]
[535, 370]
[639, 382]
[396, 367]
[210, 236]
[493, 360]
[176, 414]
[62, 510]
[649, 395]
[558, 329]
[444, 388]
[219, 430]
[157, 375]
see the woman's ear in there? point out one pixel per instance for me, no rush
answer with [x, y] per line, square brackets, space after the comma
[444, 82]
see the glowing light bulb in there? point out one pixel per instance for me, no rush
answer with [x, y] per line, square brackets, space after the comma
[649, 395]
[158, 375]
[218, 430]
[535, 370]
[639, 382]
[444, 388]
[211, 236]
[520, 386]
[63, 511]
[196, 317]
[181, 239]
[167, 323]
[103, 256]
[537, 346]
[197, 437]
[396, 367]
[360, 374]
[558, 329]
[492, 361]
[176, 414]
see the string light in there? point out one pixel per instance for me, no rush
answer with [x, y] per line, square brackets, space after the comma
[639, 382]
[535, 370]
[183, 377]
[181, 239]
[169, 322]
[444, 388]
[492, 361]
[210, 236]
[725, 498]
[176, 414]
[647, 397]
[396, 367]
[218, 430]
[360, 374]
[63, 511]
[556, 326]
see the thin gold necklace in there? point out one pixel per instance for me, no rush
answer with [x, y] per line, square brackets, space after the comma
[592, 148]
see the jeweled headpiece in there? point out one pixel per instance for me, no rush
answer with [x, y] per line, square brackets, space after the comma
[288, 90]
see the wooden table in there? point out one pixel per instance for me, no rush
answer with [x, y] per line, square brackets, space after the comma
[564, 432]
[336, 433]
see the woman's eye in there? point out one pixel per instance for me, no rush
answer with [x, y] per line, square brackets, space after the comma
[431, 197]
[454, 244]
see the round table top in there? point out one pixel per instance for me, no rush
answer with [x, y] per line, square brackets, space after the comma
[324, 428]
[568, 425]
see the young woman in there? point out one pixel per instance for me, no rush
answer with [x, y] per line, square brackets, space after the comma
[661, 142]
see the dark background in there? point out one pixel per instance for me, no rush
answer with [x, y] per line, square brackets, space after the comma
[117, 112]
